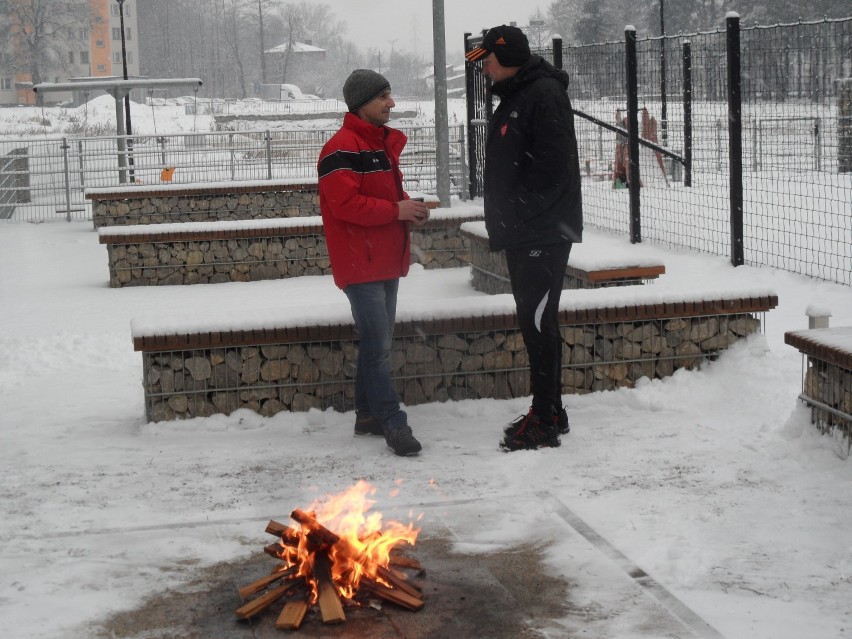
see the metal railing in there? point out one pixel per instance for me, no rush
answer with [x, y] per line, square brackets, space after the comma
[60, 169]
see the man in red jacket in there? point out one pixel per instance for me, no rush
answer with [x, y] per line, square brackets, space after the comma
[366, 216]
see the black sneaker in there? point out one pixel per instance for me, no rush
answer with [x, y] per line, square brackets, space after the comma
[561, 420]
[512, 429]
[530, 432]
[366, 424]
[401, 441]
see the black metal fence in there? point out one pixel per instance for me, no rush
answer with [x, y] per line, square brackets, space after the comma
[759, 118]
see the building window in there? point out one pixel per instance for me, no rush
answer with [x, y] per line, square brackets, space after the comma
[116, 57]
[5, 84]
[116, 11]
[99, 44]
[130, 57]
[101, 67]
[116, 33]
[71, 57]
[128, 32]
[84, 57]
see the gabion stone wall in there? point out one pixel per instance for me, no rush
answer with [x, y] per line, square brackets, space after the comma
[269, 371]
[827, 381]
[239, 259]
[830, 389]
[436, 246]
[197, 203]
[490, 274]
[254, 250]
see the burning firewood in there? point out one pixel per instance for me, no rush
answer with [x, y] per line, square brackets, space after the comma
[334, 568]
[291, 615]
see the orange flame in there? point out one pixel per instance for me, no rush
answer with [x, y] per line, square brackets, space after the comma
[364, 546]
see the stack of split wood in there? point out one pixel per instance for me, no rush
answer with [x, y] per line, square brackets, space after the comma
[286, 583]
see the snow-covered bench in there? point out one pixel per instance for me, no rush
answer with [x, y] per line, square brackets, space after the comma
[588, 267]
[251, 250]
[827, 378]
[294, 359]
[203, 202]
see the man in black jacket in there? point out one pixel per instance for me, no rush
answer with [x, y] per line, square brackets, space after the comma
[533, 211]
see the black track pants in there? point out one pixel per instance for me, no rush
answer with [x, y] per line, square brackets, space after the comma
[537, 277]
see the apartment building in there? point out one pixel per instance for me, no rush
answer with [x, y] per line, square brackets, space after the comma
[80, 39]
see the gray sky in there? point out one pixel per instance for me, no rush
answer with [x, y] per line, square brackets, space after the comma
[376, 23]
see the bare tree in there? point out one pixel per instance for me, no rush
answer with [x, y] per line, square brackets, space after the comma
[42, 32]
[233, 38]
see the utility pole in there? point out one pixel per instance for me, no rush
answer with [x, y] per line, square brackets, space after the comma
[442, 132]
[127, 125]
[664, 121]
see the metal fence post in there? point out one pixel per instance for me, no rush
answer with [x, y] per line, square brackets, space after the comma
[231, 147]
[633, 134]
[65, 147]
[80, 162]
[687, 113]
[735, 137]
[755, 151]
[470, 105]
[557, 52]
[268, 155]
[465, 177]
[817, 144]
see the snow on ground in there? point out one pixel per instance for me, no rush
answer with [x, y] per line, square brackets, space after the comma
[712, 482]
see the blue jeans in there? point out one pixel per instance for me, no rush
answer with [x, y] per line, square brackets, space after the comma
[374, 311]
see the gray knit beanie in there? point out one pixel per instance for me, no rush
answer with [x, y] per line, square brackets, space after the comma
[361, 86]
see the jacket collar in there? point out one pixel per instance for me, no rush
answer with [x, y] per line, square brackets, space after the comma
[363, 128]
[533, 69]
[380, 136]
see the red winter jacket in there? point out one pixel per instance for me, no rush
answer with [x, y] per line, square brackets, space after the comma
[359, 187]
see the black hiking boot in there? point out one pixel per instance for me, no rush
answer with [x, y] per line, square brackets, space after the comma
[560, 419]
[366, 424]
[401, 440]
[530, 432]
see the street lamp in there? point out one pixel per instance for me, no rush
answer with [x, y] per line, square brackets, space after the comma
[127, 95]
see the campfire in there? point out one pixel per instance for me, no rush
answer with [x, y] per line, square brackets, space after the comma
[337, 555]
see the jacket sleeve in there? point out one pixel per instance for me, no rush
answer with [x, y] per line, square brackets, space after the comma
[340, 184]
[552, 154]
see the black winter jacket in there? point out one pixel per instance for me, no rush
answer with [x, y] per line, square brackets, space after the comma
[532, 170]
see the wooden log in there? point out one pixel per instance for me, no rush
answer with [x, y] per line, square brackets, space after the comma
[279, 573]
[398, 581]
[261, 603]
[322, 535]
[405, 562]
[329, 602]
[288, 536]
[292, 615]
[274, 550]
[393, 595]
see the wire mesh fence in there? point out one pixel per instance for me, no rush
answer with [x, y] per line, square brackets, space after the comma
[43, 179]
[796, 142]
